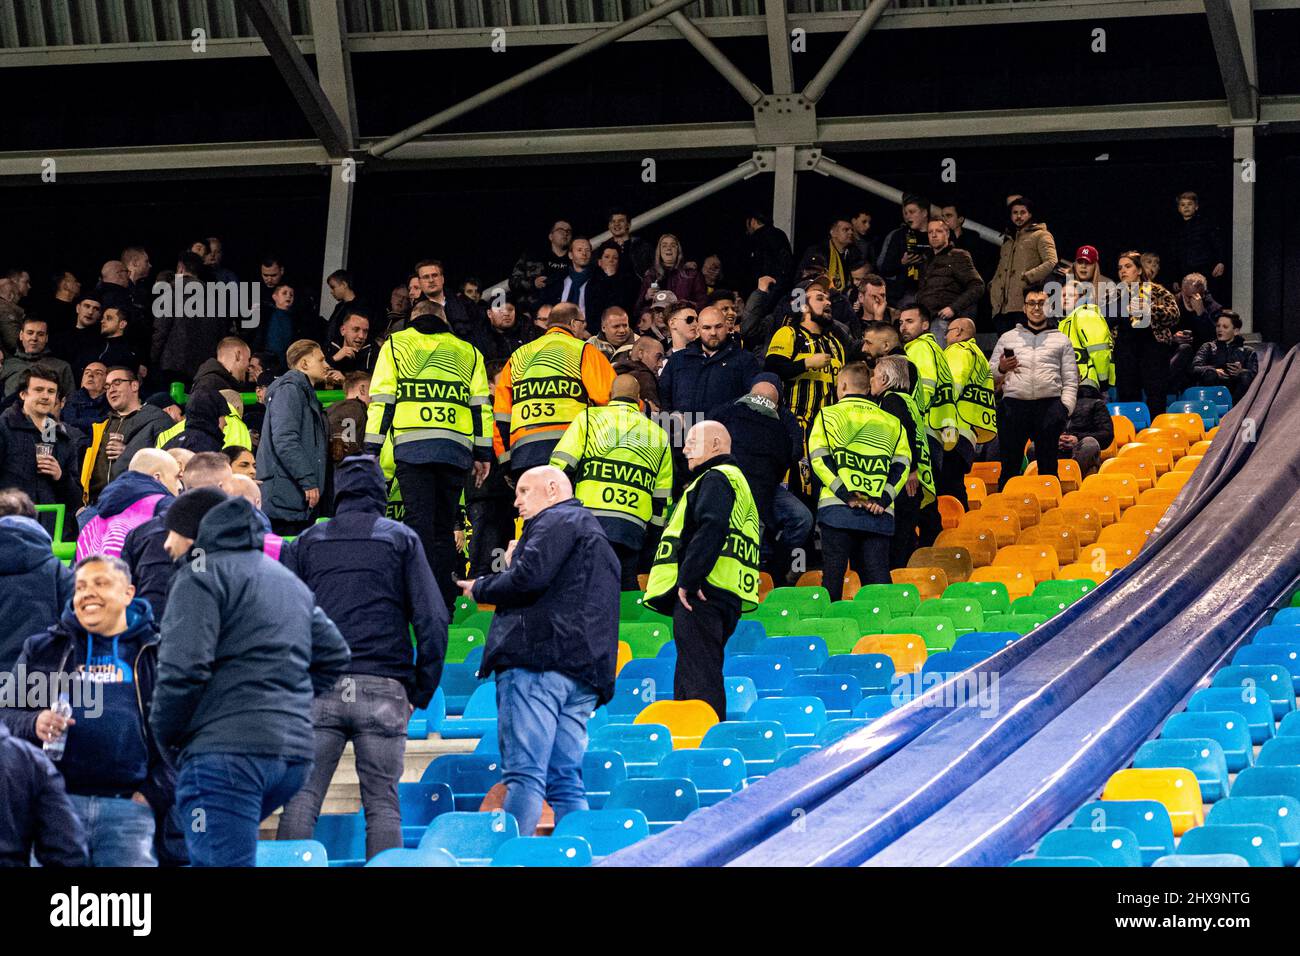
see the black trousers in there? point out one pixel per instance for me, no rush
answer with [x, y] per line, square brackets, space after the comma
[431, 494]
[1142, 366]
[629, 559]
[493, 521]
[907, 512]
[928, 518]
[286, 528]
[951, 480]
[1040, 420]
[865, 551]
[701, 636]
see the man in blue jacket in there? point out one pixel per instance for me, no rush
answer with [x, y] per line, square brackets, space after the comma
[292, 451]
[35, 815]
[244, 652]
[34, 584]
[553, 645]
[370, 575]
[710, 371]
[107, 643]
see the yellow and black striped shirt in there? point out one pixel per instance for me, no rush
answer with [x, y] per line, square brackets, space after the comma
[808, 391]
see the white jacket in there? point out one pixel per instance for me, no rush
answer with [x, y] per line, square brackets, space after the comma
[1047, 366]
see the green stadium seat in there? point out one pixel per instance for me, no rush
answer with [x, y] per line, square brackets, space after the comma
[937, 631]
[1021, 623]
[462, 640]
[807, 601]
[901, 599]
[646, 638]
[966, 614]
[462, 608]
[1046, 605]
[992, 595]
[1067, 588]
[870, 617]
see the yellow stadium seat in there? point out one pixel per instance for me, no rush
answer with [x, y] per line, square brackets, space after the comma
[687, 720]
[956, 562]
[1175, 438]
[1145, 517]
[1189, 423]
[1068, 475]
[1129, 537]
[1105, 557]
[929, 582]
[1046, 488]
[1058, 536]
[950, 511]
[987, 472]
[1173, 481]
[1175, 787]
[978, 541]
[1188, 462]
[1023, 501]
[1002, 523]
[976, 491]
[1161, 454]
[814, 579]
[1085, 522]
[1124, 432]
[1122, 486]
[1210, 435]
[907, 651]
[1141, 467]
[624, 655]
[1019, 581]
[1038, 559]
[1079, 570]
[1200, 448]
[1102, 503]
[642, 579]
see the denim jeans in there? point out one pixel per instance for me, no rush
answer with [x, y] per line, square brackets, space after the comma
[372, 712]
[542, 732]
[792, 525]
[224, 797]
[119, 832]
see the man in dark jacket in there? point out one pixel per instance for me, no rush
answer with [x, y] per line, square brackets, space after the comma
[205, 423]
[28, 427]
[370, 576]
[767, 442]
[35, 814]
[129, 427]
[950, 286]
[295, 435]
[1197, 243]
[102, 655]
[1227, 360]
[181, 343]
[904, 252]
[34, 584]
[88, 405]
[643, 363]
[553, 644]
[709, 372]
[33, 349]
[1089, 430]
[245, 650]
[227, 369]
[768, 253]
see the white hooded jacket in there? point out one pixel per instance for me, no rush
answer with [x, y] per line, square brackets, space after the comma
[1047, 366]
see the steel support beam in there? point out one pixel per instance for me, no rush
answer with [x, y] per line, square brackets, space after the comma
[1243, 225]
[692, 34]
[1232, 30]
[778, 46]
[311, 99]
[816, 87]
[338, 223]
[522, 79]
[334, 65]
[784, 186]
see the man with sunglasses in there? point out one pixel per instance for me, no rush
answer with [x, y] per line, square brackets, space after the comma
[130, 427]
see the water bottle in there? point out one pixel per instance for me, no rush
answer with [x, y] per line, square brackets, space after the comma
[54, 748]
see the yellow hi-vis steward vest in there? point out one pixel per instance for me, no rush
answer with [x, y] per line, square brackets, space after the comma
[853, 444]
[736, 570]
[933, 392]
[429, 387]
[235, 433]
[1089, 333]
[972, 386]
[921, 461]
[622, 462]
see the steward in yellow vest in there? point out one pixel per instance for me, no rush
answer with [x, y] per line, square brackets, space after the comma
[977, 413]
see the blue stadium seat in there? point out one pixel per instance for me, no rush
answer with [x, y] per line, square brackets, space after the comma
[429, 856]
[1148, 819]
[874, 672]
[480, 717]
[1279, 752]
[1273, 679]
[472, 838]
[1278, 634]
[759, 742]
[642, 745]
[1252, 704]
[741, 695]
[491, 744]
[664, 801]
[807, 653]
[459, 683]
[1209, 411]
[295, 853]
[1287, 616]
[344, 837]
[543, 851]
[1284, 655]
[1218, 394]
[986, 643]
[769, 672]
[1136, 412]
[1056, 861]
[470, 777]
[717, 772]
[800, 717]
[1256, 843]
[427, 720]
[746, 637]
[602, 771]
[631, 696]
[666, 653]
[793, 755]
[606, 831]
[419, 804]
[950, 662]
[1201, 861]
[1280, 813]
[599, 718]
[840, 693]
[657, 670]
[1227, 727]
[875, 706]
[1202, 756]
[1109, 846]
[1290, 726]
[840, 727]
[1268, 782]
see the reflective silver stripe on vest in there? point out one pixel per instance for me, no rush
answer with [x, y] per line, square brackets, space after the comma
[432, 434]
[621, 515]
[374, 439]
[383, 399]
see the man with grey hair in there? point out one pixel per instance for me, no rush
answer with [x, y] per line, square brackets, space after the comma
[705, 571]
[553, 644]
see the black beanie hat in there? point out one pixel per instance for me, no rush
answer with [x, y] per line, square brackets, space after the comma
[188, 510]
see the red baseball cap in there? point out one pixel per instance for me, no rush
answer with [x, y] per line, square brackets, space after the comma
[1086, 254]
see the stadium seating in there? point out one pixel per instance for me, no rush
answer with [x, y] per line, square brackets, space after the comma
[543, 851]
[292, 853]
[472, 838]
[606, 831]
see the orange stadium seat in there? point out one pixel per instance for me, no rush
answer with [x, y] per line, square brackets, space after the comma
[1123, 487]
[907, 651]
[956, 562]
[1019, 581]
[1039, 559]
[1159, 453]
[976, 491]
[1188, 462]
[1081, 570]
[1173, 481]
[1106, 557]
[1200, 448]
[1141, 467]
[1102, 503]
[1189, 423]
[978, 541]
[1003, 524]
[1058, 536]
[1124, 433]
[929, 582]
[1129, 537]
[1046, 488]
[1175, 438]
[1068, 475]
[1085, 521]
[950, 511]
[1161, 498]
[987, 471]
[814, 579]
[1145, 517]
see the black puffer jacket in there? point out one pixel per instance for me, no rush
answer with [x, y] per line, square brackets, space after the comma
[1216, 355]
